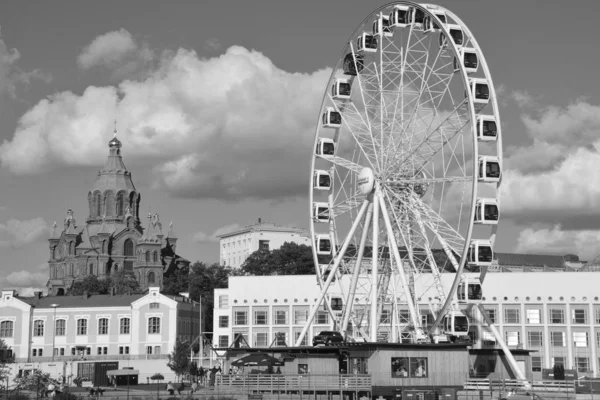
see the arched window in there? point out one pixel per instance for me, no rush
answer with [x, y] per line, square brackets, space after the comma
[147, 256]
[154, 325]
[38, 328]
[109, 197]
[71, 248]
[98, 204]
[91, 272]
[71, 268]
[54, 253]
[128, 247]
[155, 256]
[120, 204]
[116, 268]
[6, 329]
[151, 277]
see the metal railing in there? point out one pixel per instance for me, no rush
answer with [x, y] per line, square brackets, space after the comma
[538, 386]
[277, 383]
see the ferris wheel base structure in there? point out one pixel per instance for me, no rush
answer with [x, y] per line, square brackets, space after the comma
[405, 175]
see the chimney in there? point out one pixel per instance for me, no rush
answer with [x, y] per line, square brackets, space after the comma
[37, 295]
[85, 294]
[259, 220]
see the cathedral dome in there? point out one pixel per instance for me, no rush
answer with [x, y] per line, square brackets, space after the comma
[114, 143]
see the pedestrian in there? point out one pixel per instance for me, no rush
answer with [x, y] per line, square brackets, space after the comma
[201, 374]
[170, 388]
[180, 388]
[194, 386]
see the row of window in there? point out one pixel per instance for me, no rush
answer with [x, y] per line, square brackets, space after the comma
[534, 316]
[7, 327]
[581, 364]
[60, 351]
[557, 339]
[261, 339]
[280, 317]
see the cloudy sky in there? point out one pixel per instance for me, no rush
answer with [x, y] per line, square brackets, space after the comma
[216, 102]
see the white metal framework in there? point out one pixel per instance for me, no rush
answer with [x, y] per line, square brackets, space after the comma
[408, 152]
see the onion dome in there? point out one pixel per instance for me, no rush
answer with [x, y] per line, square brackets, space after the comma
[114, 143]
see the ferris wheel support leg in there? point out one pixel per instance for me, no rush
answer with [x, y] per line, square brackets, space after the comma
[374, 267]
[356, 273]
[334, 269]
[511, 360]
[405, 287]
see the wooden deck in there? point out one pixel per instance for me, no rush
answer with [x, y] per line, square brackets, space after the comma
[277, 383]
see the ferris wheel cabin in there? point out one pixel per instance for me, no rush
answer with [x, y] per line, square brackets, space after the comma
[469, 290]
[332, 118]
[486, 212]
[456, 33]
[487, 130]
[321, 180]
[489, 169]
[399, 16]
[382, 24]
[479, 90]
[321, 212]
[480, 253]
[416, 17]
[366, 43]
[325, 147]
[456, 324]
[468, 57]
[341, 89]
[323, 245]
[353, 64]
[431, 25]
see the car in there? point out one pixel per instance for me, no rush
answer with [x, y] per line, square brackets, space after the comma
[327, 338]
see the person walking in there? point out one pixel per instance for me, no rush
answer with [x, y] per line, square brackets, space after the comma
[170, 388]
[194, 386]
[180, 388]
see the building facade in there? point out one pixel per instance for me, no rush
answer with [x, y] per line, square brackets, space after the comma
[236, 246]
[112, 240]
[554, 314]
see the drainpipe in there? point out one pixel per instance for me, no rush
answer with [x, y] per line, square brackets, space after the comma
[30, 334]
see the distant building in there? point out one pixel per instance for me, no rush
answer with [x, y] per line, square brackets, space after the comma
[112, 239]
[133, 329]
[236, 246]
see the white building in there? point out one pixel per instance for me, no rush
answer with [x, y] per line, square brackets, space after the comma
[557, 314]
[236, 246]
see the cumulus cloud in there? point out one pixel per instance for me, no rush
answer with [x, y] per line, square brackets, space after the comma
[202, 237]
[584, 243]
[15, 233]
[11, 76]
[117, 51]
[228, 127]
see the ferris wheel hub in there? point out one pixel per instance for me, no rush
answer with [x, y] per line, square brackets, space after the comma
[366, 180]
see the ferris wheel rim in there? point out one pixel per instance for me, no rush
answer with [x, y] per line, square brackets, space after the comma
[474, 145]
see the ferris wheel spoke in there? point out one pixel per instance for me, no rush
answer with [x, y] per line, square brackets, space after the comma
[346, 205]
[342, 162]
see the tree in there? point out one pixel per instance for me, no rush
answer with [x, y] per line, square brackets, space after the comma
[122, 282]
[5, 358]
[35, 380]
[178, 359]
[177, 282]
[289, 259]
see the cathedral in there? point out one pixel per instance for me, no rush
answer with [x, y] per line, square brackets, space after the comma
[113, 238]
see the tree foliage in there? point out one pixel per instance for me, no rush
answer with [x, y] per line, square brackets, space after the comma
[4, 359]
[35, 380]
[178, 359]
[122, 282]
[290, 259]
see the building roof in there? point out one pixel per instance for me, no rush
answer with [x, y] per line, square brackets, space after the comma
[263, 227]
[93, 300]
[530, 260]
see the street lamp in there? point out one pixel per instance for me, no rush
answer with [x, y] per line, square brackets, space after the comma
[55, 306]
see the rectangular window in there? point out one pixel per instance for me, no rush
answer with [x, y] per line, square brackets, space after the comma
[511, 316]
[223, 341]
[88, 350]
[597, 338]
[597, 316]
[304, 339]
[124, 326]
[123, 349]
[580, 339]
[148, 349]
[418, 367]
[579, 316]
[260, 317]
[154, 325]
[103, 326]
[81, 327]
[223, 301]
[536, 364]
[302, 369]
[6, 329]
[260, 339]
[492, 315]
[59, 351]
[400, 367]
[582, 364]
[263, 245]
[61, 325]
[404, 317]
[280, 338]
[558, 361]
[223, 321]
[534, 316]
[534, 339]
[557, 339]
[300, 317]
[154, 306]
[513, 338]
[322, 318]
[557, 316]
[38, 328]
[280, 317]
[385, 317]
[240, 317]
[156, 349]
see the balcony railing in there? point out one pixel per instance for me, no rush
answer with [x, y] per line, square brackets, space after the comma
[293, 383]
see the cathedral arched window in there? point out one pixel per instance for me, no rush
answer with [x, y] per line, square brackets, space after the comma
[151, 278]
[91, 272]
[98, 204]
[120, 204]
[54, 253]
[71, 248]
[147, 256]
[109, 199]
[155, 256]
[128, 248]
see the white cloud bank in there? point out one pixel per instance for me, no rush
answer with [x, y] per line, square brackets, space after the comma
[585, 243]
[228, 127]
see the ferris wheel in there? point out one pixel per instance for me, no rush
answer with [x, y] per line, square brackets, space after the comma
[406, 167]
